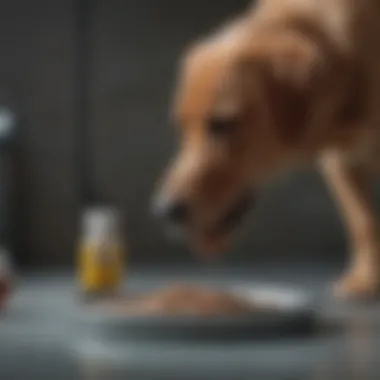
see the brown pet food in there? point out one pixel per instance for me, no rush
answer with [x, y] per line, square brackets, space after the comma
[184, 300]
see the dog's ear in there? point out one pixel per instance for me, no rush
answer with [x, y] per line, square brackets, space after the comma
[289, 70]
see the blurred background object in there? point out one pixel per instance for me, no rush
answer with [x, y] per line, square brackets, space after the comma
[101, 255]
[6, 278]
[7, 205]
[7, 178]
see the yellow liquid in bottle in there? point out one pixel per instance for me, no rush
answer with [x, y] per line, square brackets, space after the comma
[100, 268]
[100, 263]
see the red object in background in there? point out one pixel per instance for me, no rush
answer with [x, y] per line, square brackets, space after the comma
[5, 279]
[4, 292]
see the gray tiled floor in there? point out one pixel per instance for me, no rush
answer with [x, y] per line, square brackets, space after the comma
[39, 338]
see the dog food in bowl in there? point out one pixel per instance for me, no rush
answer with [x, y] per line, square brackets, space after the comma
[182, 300]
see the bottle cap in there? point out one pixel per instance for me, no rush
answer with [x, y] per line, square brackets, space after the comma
[100, 221]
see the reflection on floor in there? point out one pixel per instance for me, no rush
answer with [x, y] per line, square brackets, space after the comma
[40, 338]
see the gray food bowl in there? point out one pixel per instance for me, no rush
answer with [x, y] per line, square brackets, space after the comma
[285, 313]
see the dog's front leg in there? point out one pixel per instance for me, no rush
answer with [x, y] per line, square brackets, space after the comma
[350, 186]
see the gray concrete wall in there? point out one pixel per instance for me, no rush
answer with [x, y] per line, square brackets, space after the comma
[137, 46]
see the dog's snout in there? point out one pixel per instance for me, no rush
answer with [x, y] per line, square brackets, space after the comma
[178, 212]
[174, 211]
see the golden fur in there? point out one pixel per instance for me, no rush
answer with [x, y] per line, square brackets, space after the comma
[302, 77]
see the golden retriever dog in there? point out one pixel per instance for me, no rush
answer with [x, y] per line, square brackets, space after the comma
[287, 83]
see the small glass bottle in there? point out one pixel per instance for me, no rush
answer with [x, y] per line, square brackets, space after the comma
[101, 253]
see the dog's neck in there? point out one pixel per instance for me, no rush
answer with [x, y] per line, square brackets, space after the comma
[340, 105]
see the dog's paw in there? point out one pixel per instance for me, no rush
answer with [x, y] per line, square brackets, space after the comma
[357, 286]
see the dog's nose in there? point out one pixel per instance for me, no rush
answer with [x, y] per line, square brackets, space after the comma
[175, 211]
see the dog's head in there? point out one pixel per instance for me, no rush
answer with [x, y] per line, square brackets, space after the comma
[241, 109]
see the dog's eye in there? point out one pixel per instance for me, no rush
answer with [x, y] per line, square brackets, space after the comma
[220, 126]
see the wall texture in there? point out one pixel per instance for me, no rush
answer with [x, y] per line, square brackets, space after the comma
[36, 78]
[137, 46]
